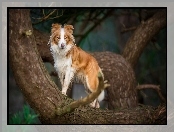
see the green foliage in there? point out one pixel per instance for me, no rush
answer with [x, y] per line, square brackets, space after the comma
[26, 116]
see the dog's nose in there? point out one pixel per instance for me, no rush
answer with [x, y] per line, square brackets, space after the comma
[62, 45]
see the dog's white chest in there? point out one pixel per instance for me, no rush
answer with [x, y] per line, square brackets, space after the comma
[62, 64]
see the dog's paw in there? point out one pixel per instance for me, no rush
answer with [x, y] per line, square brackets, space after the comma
[64, 93]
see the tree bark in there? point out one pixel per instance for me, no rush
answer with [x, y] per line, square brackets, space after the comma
[122, 91]
[142, 36]
[43, 95]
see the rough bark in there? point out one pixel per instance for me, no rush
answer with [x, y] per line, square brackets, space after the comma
[43, 95]
[142, 36]
[120, 75]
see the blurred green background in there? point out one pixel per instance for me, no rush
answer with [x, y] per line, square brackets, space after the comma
[99, 29]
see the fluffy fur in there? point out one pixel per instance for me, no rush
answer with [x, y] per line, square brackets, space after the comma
[71, 62]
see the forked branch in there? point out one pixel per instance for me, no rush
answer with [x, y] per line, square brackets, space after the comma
[151, 86]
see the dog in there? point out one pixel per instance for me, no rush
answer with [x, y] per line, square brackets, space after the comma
[72, 63]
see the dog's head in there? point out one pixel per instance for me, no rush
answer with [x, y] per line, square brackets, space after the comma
[62, 36]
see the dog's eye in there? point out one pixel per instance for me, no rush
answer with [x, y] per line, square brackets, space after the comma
[65, 37]
[58, 37]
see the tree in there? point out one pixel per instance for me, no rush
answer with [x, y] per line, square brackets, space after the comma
[26, 51]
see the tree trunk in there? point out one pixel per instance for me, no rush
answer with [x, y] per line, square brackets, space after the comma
[43, 95]
[27, 66]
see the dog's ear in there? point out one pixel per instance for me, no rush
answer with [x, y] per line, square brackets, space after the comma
[69, 28]
[55, 27]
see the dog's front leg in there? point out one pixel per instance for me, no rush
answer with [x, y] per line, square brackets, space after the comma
[68, 78]
[61, 78]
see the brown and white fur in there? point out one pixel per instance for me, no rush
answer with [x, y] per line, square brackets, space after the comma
[71, 62]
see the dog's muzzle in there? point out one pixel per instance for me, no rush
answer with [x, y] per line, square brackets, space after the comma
[62, 45]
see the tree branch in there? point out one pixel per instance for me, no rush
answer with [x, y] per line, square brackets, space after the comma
[151, 86]
[142, 35]
[139, 115]
[128, 29]
[46, 17]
